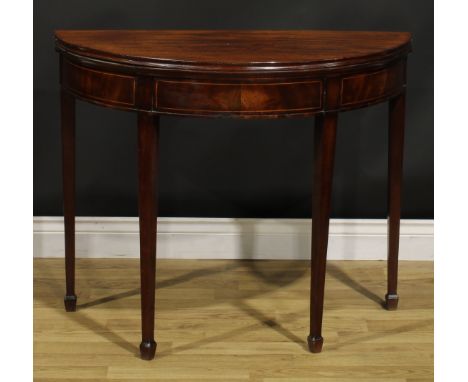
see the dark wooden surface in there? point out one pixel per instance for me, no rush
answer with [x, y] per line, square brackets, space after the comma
[248, 74]
[148, 137]
[395, 169]
[241, 50]
[68, 170]
[242, 74]
[324, 154]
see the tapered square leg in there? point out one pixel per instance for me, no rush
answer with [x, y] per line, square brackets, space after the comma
[395, 171]
[68, 179]
[148, 133]
[324, 153]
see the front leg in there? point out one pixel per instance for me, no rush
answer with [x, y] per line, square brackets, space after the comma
[324, 152]
[148, 134]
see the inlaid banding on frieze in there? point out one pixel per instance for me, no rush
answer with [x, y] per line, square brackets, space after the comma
[99, 85]
[195, 97]
[362, 88]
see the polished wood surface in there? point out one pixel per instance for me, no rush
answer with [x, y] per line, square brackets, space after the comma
[220, 320]
[100, 86]
[225, 98]
[237, 74]
[324, 152]
[235, 50]
[148, 142]
[246, 74]
[369, 87]
[68, 178]
[396, 132]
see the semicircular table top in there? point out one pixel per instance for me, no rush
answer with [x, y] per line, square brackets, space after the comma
[244, 73]
[238, 50]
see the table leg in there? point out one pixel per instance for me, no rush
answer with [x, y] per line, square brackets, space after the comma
[395, 170]
[148, 132]
[324, 152]
[68, 169]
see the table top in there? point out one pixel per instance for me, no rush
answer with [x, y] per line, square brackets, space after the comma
[236, 50]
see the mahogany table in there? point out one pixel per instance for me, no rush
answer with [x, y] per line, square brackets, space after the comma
[236, 74]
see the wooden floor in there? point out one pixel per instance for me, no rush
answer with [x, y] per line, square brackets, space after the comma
[220, 320]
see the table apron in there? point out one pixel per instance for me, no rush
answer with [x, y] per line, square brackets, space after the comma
[249, 98]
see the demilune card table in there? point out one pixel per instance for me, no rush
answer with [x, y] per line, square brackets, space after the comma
[235, 74]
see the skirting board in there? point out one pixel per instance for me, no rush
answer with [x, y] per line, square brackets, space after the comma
[229, 238]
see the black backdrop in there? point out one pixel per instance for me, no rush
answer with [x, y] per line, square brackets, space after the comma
[221, 167]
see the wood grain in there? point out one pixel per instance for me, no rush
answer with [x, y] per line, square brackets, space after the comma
[97, 85]
[196, 97]
[324, 159]
[233, 321]
[372, 86]
[239, 50]
[244, 74]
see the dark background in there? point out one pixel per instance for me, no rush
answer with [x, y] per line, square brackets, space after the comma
[237, 168]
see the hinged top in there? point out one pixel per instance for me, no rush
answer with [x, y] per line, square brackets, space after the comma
[241, 50]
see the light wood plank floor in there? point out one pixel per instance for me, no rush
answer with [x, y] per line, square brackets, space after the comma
[220, 320]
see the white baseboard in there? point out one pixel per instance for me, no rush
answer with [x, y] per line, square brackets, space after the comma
[227, 238]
